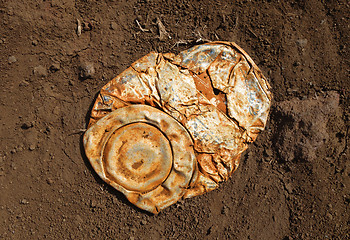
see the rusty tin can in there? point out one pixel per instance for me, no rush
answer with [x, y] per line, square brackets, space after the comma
[174, 126]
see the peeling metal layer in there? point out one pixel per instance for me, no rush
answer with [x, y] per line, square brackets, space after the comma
[214, 90]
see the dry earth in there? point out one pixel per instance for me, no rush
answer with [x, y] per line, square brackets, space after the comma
[293, 182]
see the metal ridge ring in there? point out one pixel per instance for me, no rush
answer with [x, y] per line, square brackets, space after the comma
[104, 139]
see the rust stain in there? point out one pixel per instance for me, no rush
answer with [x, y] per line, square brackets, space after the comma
[174, 126]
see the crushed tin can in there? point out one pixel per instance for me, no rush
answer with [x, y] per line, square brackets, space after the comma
[174, 126]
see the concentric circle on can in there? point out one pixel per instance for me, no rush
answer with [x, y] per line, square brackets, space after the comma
[138, 157]
[144, 153]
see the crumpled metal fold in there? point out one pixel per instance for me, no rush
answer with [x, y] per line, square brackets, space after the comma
[216, 95]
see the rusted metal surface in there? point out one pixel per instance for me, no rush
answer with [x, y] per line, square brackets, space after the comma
[214, 92]
[144, 153]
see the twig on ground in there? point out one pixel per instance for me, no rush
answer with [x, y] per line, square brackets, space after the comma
[141, 28]
[163, 34]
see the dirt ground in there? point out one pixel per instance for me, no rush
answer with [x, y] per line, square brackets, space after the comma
[293, 182]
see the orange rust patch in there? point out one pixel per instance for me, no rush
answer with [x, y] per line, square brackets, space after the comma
[205, 87]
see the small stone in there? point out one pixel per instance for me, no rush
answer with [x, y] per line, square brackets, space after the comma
[292, 90]
[87, 70]
[302, 42]
[114, 26]
[224, 210]
[55, 67]
[49, 181]
[139, 18]
[24, 83]
[13, 166]
[12, 59]
[20, 148]
[35, 42]
[27, 125]
[40, 71]
[211, 230]
[296, 64]
[31, 147]
[23, 201]
[143, 222]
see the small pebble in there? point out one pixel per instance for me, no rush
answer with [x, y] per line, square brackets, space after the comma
[55, 67]
[27, 125]
[114, 26]
[210, 230]
[87, 70]
[12, 59]
[139, 18]
[20, 148]
[24, 83]
[296, 63]
[40, 71]
[49, 181]
[224, 210]
[13, 166]
[143, 222]
[302, 42]
[35, 42]
[23, 201]
[31, 147]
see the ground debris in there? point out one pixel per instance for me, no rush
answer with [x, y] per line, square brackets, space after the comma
[163, 34]
[40, 71]
[78, 28]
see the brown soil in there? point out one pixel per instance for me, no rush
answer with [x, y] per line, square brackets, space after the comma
[293, 182]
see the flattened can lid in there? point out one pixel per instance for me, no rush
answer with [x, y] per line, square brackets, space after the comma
[144, 153]
[173, 126]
